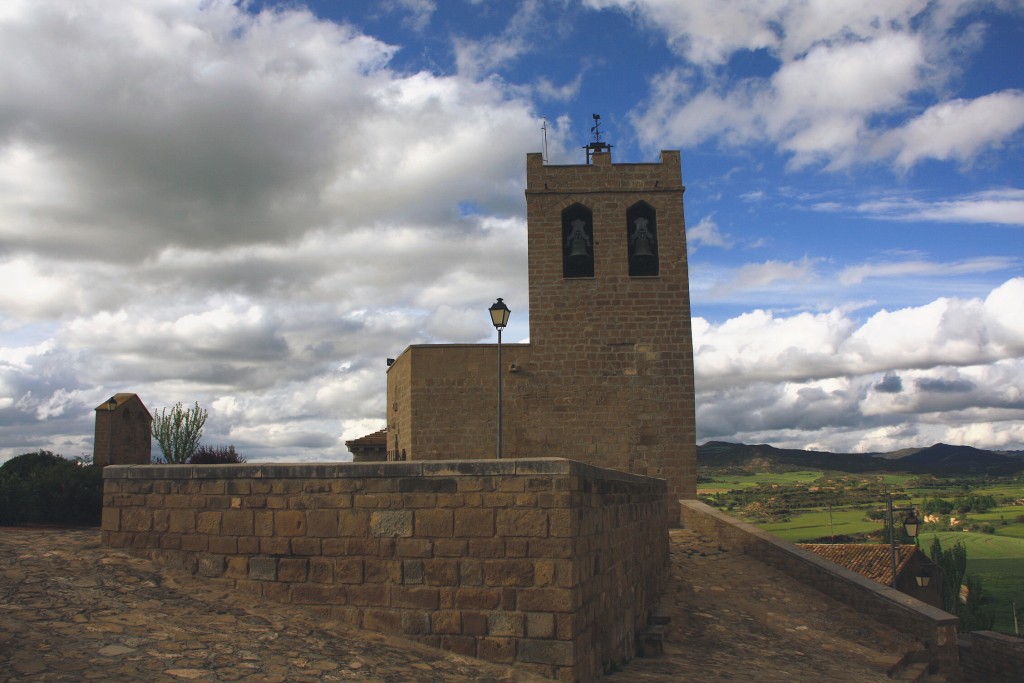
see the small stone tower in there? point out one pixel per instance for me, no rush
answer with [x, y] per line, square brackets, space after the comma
[124, 431]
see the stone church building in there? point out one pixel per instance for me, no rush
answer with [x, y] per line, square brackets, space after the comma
[607, 378]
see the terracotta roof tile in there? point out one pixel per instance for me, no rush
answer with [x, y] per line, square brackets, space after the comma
[378, 439]
[873, 560]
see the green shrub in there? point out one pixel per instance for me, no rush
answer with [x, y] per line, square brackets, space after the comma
[215, 455]
[43, 488]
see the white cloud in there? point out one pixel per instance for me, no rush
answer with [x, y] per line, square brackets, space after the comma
[920, 375]
[845, 78]
[999, 207]
[958, 129]
[706, 233]
[857, 274]
[762, 276]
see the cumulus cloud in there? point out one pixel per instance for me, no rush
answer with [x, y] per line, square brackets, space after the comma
[197, 202]
[834, 80]
[950, 367]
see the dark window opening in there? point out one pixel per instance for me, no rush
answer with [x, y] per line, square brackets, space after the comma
[577, 242]
[642, 239]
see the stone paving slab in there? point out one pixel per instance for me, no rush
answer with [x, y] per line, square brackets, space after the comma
[71, 610]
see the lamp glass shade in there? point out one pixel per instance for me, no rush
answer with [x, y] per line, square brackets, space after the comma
[923, 580]
[912, 525]
[499, 314]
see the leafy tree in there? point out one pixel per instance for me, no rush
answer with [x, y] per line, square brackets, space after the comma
[178, 432]
[215, 455]
[43, 488]
[974, 616]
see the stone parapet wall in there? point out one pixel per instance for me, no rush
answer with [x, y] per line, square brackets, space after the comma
[932, 627]
[547, 563]
[992, 657]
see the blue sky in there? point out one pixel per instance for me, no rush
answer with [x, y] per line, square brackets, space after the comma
[252, 205]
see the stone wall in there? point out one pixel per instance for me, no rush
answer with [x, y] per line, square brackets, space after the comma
[933, 628]
[992, 657]
[547, 563]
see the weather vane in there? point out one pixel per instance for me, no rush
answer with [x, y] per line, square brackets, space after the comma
[596, 147]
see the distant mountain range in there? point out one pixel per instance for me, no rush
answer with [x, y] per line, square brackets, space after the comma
[938, 459]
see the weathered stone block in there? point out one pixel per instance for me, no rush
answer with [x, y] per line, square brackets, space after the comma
[477, 598]
[497, 649]
[391, 523]
[136, 519]
[322, 523]
[289, 523]
[441, 573]
[208, 522]
[211, 565]
[263, 568]
[511, 624]
[237, 523]
[348, 570]
[554, 652]
[292, 569]
[522, 522]
[508, 573]
[433, 523]
[111, 519]
[317, 594]
[414, 597]
[474, 522]
[548, 600]
[540, 625]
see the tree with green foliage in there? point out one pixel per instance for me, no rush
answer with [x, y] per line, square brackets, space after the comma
[43, 488]
[178, 432]
[953, 561]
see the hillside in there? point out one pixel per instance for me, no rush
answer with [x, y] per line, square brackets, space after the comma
[937, 459]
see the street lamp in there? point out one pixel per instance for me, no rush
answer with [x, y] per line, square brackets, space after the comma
[911, 524]
[499, 318]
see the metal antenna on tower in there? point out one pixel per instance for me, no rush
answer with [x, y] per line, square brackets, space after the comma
[596, 147]
[544, 136]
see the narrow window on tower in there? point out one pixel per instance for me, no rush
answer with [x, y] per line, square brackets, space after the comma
[642, 239]
[577, 242]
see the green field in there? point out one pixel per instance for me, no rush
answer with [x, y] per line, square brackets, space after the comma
[996, 558]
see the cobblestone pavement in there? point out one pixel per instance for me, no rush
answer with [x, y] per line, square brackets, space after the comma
[71, 610]
[736, 619]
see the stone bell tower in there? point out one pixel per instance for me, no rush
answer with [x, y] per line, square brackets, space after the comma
[607, 377]
[610, 341]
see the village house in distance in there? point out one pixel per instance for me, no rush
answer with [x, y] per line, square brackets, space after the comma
[607, 378]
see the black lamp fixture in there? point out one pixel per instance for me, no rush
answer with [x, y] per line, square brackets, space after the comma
[499, 318]
[923, 579]
[911, 524]
[499, 315]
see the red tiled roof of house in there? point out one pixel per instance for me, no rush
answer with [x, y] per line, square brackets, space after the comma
[872, 560]
[378, 439]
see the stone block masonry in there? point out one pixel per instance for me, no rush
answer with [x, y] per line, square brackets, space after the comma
[548, 563]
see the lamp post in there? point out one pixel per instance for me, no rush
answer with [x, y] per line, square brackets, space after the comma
[499, 318]
[910, 524]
